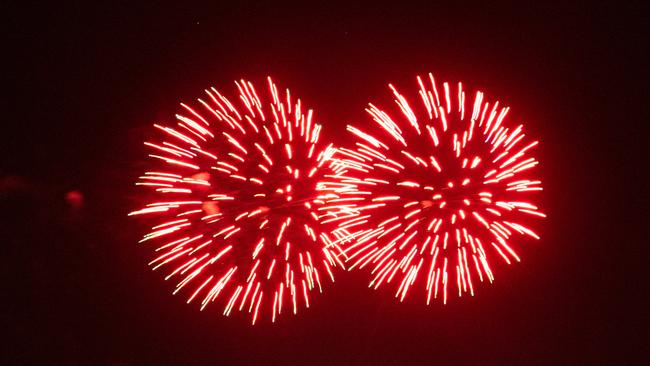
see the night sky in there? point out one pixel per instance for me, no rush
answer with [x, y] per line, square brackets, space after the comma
[84, 84]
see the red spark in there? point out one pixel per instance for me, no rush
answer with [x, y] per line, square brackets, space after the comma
[235, 203]
[436, 190]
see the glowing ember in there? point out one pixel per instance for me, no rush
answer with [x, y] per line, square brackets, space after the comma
[438, 190]
[235, 201]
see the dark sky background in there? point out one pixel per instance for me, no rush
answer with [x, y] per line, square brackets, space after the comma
[84, 83]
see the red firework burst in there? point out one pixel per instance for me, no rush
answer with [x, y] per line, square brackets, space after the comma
[436, 189]
[235, 197]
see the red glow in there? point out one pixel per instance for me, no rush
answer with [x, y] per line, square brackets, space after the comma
[234, 203]
[434, 190]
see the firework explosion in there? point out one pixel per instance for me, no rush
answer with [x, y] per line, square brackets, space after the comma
[235, 201]
[438, 191]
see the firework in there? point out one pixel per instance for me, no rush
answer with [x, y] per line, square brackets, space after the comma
[234, 201]
[438, 189]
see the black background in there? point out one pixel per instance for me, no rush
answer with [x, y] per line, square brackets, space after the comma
[84, 83]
